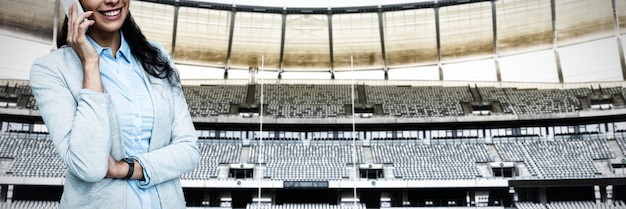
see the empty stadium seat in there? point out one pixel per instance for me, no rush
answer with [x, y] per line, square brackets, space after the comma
[557, 159]
[211, 155]
[32, 157]
[419, 101]
[29, 204]
[211, 101]
[535, 101]
[432, 162]
[305, 162]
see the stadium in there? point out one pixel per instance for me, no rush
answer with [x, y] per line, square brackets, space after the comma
[448, 104]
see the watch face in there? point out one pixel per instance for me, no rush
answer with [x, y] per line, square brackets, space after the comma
[129, 160]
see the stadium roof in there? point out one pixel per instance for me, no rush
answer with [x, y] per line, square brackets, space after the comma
[322, 4]
[474, 40]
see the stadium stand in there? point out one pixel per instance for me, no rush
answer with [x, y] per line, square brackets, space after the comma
[419, 101]
[557, 159]
[529, 205]
[296, 161]
[535, 101]
[614, 90]
[31, 157]
[621, 141]
[305, 101]
[212, 155]
[17, 96]
[304, 94]
[306, 162]
[445, 157]
[572, 205]
[303, 206]
[214, 100]
[434, 162]
[455, 104]
[305, 110]
[27, 204]
[324, 101]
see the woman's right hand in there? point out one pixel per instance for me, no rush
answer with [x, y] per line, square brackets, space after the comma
[77, 35]
[77, 39]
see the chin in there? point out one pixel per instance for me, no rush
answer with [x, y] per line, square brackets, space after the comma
[109, 27]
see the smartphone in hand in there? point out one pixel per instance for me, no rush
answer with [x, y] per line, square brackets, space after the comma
[68, 3]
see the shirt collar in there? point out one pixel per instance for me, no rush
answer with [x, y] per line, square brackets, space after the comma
[123, 51]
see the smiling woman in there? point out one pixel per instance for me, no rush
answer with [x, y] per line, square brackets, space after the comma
[115, 110]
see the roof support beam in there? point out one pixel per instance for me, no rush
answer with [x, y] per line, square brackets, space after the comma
[382, 41]
[620, 44]
[175, 28]
[438, 34]
[233, 14]
[330, 43]
[494, 23]
[282, 43]
[55, 28]
[555, 47]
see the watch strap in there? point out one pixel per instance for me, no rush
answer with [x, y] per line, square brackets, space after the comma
[131, 167]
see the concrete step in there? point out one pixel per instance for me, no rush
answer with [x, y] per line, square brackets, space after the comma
[493, 153]
[245, 154]
[367, 155]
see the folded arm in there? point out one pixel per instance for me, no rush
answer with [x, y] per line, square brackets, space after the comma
[78, 119]
[180, 156]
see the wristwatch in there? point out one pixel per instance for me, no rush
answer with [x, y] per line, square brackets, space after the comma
[131, 167]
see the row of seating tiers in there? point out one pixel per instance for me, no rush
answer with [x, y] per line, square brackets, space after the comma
[31, 157]
[419, 94]
[318, 101]
[214, 100]
[305, 110]
[572, 205]
[614, 90]
[557, 159]
[211, 156]
[305, 94]
[419, 101]
[29, 204]
[440, 161]
[306, 162]
[296, 161]
[535, 101]
[305, 100]
[304, 206]
[24, 96]
[413, 110]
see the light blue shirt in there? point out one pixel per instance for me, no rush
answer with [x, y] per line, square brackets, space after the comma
[123, 78]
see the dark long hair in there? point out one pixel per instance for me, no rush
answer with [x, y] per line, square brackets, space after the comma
[150, 57]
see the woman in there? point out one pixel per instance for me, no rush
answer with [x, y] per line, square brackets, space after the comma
[116, 113]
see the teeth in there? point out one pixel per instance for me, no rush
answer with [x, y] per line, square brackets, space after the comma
[112, 13]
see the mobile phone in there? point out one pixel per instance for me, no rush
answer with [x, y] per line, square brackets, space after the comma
[68, 3]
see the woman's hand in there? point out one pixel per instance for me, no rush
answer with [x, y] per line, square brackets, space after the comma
[116, 169]
[76, 35]
[77, 26]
